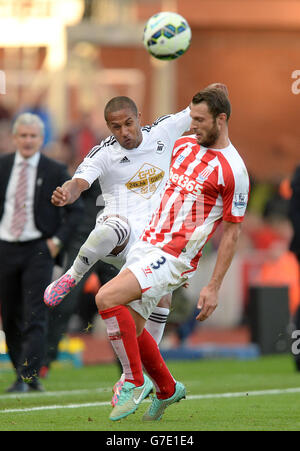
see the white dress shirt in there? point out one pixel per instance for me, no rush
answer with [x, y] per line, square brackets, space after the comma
[30, 231]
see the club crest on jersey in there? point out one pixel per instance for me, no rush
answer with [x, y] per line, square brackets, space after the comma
[146, 181]
[205, 174]
[180, 159]
[160, 147]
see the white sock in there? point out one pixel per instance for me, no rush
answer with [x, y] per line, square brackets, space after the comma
[100, 243]
[156, 323]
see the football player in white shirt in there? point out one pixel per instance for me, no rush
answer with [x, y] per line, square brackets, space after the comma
[208, 184]
[133, 167]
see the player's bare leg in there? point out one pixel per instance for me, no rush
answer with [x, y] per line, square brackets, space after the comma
[156, 322]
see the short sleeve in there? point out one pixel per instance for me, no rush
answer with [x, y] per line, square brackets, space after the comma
[235, 195]
[182, 121]
[93, 166]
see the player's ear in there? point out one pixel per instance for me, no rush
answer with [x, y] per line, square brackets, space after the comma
[139, 116]
[222, 117]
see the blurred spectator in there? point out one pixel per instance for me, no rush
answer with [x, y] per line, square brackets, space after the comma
[38, 107]
[294, 214]
[270, 226]
[281, 270]
[277, 206]
[259, 195]
[88, 9]
[272, 234]
[32, 234]
[6, 145]
[81, 138]
[266, 236]
[5, 113]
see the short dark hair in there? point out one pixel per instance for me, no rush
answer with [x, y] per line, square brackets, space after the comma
[119, 103]
[216, 100]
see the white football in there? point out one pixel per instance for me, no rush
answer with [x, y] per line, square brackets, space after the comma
[167, 35]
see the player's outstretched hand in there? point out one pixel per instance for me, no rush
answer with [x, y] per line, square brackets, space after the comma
[207, 303]
[60, 197]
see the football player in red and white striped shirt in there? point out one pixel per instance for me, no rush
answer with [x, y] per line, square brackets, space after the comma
[208, 185]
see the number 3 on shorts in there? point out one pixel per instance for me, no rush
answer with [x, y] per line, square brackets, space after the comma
[159, 262]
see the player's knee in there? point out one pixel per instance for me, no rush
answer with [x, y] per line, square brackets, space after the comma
[111, 235]
[105, 299]
[101, 234]
[122, 229]
[165, 301]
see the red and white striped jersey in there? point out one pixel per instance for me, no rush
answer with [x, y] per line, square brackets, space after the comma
[205, 187]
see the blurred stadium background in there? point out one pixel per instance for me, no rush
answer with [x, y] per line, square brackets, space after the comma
[64, 59]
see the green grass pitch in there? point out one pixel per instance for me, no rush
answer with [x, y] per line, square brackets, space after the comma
[222, 395]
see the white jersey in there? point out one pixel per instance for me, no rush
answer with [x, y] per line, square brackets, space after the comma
[132, 180]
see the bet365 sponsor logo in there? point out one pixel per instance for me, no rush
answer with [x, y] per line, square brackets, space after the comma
[2, 82]
[185, 182]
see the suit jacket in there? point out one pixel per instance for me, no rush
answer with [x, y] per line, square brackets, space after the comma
[294, 212]
[50, 220]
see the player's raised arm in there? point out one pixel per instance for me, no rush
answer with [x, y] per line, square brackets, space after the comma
[69, 192]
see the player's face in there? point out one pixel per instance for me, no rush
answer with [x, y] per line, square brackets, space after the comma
[204, 125]
[126, 128]
[28, 140]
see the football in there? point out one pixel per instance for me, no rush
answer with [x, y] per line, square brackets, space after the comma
[167, 35]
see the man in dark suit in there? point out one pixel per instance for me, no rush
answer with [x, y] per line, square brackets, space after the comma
[32, 233]
[60, 316]
[294, 215]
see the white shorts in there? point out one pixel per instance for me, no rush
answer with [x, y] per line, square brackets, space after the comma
[158, 274]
